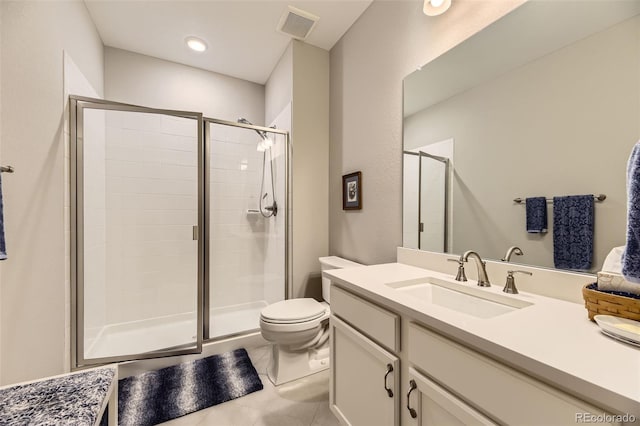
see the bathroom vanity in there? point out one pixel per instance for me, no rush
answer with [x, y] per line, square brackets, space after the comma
[413, 346]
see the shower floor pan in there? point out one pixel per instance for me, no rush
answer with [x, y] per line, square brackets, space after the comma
[174, 330]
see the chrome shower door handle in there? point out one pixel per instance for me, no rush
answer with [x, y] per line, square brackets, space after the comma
[389, 370]
[412, 386]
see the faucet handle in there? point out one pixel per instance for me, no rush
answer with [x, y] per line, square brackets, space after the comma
[460, 276]
[510, 285]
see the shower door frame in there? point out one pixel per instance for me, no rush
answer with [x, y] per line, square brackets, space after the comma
[445, 221]
[76, 192]
[204, 203]
[207, 209]
[420, 224]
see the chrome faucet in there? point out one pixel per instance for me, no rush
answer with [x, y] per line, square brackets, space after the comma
[512, 250]
[483, 279]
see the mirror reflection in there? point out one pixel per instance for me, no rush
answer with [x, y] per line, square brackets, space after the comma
[543, 103]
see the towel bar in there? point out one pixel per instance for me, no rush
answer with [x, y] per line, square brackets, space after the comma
[599, 197]
[6, 169]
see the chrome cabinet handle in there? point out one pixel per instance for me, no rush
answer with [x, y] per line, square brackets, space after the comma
[389, 370]
[412, 386]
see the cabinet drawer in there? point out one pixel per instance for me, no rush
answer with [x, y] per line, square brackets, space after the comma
[502, 392]
[377, 323]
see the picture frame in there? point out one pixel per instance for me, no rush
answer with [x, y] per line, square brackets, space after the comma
[352, 191]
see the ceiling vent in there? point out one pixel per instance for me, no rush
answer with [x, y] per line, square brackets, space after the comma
[297, 23]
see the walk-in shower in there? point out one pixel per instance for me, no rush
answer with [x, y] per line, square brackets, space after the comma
[176, 234]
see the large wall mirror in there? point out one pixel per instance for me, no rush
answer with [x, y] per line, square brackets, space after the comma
[543, 102]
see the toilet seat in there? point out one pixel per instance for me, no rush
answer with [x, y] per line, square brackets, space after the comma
[293, 311]
[293, 315]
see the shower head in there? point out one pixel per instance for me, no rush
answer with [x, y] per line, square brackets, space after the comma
[262, 134]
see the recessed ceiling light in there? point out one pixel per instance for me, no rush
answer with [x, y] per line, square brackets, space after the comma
[436, 7]
[196, 44]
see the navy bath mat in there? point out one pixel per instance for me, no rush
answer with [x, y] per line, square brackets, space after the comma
[158, 396]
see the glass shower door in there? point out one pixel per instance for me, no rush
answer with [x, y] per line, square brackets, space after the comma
[137, 234]
[247, 225]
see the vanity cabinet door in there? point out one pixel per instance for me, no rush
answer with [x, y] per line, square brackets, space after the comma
[365, 379]
[433, 405]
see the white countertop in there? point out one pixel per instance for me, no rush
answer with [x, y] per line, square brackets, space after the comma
[552, 340]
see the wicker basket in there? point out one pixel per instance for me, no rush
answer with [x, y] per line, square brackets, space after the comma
[618, 304]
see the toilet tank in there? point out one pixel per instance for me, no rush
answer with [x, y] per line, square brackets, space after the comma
[332, 262]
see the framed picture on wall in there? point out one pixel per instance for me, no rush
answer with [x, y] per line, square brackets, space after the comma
[352, 191]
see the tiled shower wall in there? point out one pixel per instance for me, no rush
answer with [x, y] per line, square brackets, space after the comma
[246, 261]
[151, 208]
[140, 206]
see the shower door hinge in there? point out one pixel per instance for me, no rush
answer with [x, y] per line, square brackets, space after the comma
[195, 232]
[421, 227]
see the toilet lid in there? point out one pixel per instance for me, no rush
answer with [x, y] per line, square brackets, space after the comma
[293, 310]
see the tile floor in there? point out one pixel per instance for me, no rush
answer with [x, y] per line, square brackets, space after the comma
[303, 402]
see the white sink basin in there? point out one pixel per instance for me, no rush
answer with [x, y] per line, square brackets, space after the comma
[464, 298]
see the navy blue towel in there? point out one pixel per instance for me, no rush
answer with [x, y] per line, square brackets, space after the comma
[573, 218]
[631, 255]
[536, 215]
[3, 248]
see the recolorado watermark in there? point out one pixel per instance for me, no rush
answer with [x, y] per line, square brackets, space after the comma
[604, 418]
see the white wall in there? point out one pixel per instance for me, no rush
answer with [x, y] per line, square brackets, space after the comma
[389, 41]
[310, 166]
[279, 86]
[33, 37]
[303, 74]
[565, 125]
[142, 80]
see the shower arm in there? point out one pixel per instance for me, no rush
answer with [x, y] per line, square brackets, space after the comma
[262, 133]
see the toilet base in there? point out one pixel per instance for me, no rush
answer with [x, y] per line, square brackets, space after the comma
[289, 365]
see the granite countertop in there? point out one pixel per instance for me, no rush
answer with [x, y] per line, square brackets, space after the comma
[552, 339]
[76, 398]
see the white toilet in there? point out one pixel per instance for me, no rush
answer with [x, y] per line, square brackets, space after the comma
[299, 331]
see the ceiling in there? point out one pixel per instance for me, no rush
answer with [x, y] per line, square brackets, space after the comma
[241, 34]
